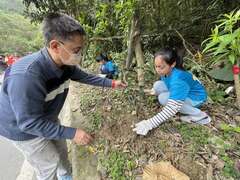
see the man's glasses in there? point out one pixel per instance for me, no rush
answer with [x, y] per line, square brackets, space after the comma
[79, 51]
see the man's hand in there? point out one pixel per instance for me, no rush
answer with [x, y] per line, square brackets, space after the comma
[118, 84]
[82, 138]
[143, 127]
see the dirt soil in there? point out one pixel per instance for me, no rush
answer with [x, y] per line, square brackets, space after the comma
[190, 148]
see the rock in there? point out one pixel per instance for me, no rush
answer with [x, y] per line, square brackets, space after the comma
[142, 160]
[214, 158]
[216, 162]
[237, 118]
[109, 108]
[134, 113]
[237, 165]
[209, 172]
[102, 171]
[138, 178]
[219, 164]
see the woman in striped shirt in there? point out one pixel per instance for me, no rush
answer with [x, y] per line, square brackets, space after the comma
[177, 91]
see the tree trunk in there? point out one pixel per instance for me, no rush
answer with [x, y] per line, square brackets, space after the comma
[140, 62]
[237, 86]
[135, 45]
[139, 53]
[130, 45]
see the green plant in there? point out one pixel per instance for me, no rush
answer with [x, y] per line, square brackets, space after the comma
[196, 135]
[118, 164]
[224, 43]
[217, 95]
[96, 120]
[223, 146]
[229, 128]
[229, 170]
[220, 144]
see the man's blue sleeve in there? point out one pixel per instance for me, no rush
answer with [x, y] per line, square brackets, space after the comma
[86, 78]
[27, 97]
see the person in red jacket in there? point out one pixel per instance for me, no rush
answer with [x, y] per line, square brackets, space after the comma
[11, 59]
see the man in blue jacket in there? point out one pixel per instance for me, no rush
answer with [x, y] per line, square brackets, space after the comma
[33, 92]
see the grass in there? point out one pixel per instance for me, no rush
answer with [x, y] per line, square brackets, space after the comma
[226, 144]
[197, 135]
[96, 120]
[217, 95]
[229, 170]
[119, 165]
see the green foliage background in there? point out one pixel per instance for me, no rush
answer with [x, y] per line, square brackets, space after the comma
[17, 34]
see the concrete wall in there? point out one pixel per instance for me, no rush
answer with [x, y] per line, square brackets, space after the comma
[84, 164]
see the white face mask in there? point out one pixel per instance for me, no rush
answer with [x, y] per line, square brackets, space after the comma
[74, 59]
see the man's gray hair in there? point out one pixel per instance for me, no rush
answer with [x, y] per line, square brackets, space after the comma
[60, 26]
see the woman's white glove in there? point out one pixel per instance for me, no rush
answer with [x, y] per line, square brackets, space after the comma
[143, 127]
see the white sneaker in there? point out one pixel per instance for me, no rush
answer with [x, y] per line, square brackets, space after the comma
[202, 119]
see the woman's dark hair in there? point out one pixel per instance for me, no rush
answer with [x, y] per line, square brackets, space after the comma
[102, 56]
[170, 56]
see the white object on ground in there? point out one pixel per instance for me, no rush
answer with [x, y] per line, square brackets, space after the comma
[229, 90]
